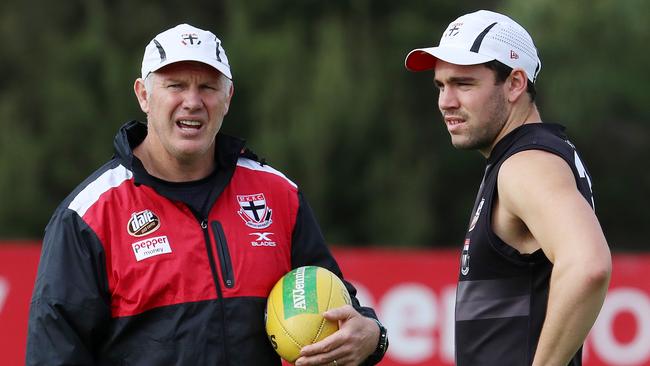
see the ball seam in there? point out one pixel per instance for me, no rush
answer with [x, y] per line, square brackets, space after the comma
[286, 332]
[322, 322]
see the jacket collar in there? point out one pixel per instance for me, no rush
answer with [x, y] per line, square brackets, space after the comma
[131, 134]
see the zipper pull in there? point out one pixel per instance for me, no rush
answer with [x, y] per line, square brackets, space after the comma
[204, 224]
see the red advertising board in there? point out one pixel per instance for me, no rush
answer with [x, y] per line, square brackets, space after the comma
[413, 293]
[18, 264]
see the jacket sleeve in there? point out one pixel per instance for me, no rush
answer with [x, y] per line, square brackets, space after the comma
[70, 305]
[309, 249]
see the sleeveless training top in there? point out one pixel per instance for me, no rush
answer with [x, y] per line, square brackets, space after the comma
[502, 294]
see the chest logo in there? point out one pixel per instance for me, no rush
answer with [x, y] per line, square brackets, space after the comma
[254, 210]
[263, 240]
[151, 247]
[142, 223]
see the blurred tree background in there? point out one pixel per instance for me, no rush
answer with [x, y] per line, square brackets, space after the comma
[321, 92]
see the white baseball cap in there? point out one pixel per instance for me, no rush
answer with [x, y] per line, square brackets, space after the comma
[185, 43]
[480, 37]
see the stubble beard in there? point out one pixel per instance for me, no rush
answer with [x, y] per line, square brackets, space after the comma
[482, 134]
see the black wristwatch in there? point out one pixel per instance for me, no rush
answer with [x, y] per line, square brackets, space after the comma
[382, 346]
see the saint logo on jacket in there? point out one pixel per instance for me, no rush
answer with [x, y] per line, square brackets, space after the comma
[254, 210]
[142, 223]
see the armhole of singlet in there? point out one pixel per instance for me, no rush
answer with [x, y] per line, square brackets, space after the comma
[498, 244]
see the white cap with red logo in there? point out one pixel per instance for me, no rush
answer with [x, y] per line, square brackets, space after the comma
[185, 43]
[477, 38]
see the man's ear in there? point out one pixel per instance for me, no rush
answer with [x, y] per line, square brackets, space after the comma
[141, 94]
[517, 84]
[231, 92]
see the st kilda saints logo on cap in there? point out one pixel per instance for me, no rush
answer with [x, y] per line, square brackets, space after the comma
[190, 39]
[453, 29]
[143, 223]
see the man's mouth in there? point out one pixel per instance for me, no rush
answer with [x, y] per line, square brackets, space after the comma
[189, 124]
[451, 121]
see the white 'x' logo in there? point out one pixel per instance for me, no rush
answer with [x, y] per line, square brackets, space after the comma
[262, 236]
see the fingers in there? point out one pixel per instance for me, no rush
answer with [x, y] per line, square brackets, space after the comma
[328, 359]
[325, 347]
[332, 348]
[341, 314]
[350, 345]
[304, 361]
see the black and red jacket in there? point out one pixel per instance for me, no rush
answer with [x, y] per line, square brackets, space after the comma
[128, 276]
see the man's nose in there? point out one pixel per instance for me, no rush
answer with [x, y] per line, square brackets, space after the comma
[192, 99]
[447, 99]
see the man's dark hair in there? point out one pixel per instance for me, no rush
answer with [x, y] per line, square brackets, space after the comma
[502, 71]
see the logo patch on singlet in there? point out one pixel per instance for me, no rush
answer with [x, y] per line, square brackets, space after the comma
[254, 210]
[464, 259]
[142, 223]
[476, 215]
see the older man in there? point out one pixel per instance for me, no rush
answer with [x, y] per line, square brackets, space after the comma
[166, 254]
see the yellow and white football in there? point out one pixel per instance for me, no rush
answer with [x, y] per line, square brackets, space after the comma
[295, 306]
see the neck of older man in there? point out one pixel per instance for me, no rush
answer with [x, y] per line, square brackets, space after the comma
[172, 169]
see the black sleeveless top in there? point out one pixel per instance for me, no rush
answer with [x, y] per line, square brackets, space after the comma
[502, 294]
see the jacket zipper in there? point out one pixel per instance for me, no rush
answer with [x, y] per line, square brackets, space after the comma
[224, 254]
[213, 266]
[215, 276]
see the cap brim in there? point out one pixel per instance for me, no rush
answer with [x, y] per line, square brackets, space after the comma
[423, 59]
[216, 65]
